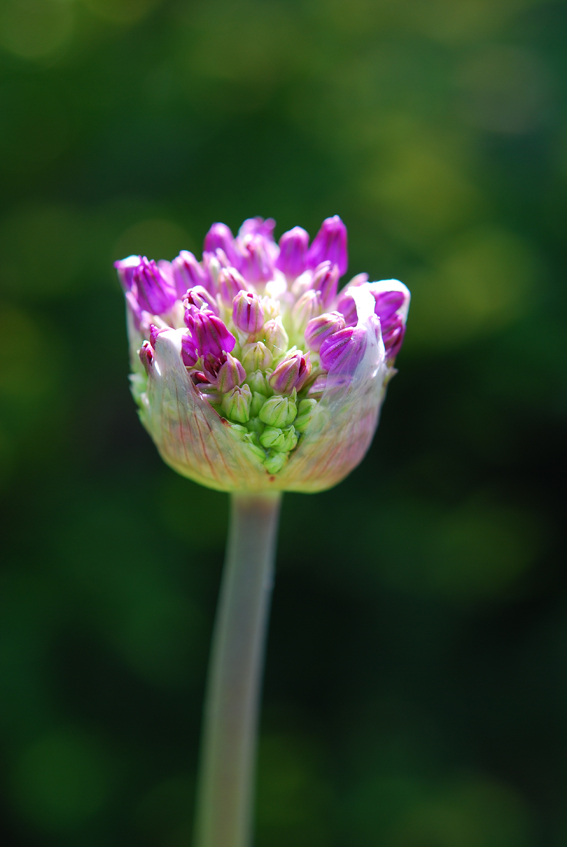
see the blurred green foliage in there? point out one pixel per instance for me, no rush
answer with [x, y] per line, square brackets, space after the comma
[415, 688]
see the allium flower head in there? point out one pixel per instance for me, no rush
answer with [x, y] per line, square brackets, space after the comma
[250, 371]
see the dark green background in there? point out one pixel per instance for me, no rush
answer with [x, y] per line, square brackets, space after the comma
[416, 687]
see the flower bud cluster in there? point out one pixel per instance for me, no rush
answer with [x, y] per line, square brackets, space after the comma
[262, 336]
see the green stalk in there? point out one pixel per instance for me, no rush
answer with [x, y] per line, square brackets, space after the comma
[226, 780]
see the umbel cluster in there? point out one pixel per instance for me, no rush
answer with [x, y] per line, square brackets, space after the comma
[250, 368]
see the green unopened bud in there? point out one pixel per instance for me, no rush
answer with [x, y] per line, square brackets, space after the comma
[304, 414]
[258, 401]
[252, 438]
[236, 404]
[276, 337]
[275, 462]
[271, 438]
[255, 425]
[278, 411]
[258, 381]
[256, 357]
[239, 431]
[258, 451]
[288, 440]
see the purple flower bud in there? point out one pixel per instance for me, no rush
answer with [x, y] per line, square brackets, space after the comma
[230, 374]
[292, 260]
[343, 351]
[292, 372]
[347, 306]
[146, 354]
[255, 260]
[166, 271]
[154, 293]
[212, 263]
[220, 236]
[209, 333]
[307, 307]
[258, 226]
[187, 273]
[189, 352]
[321, 328]
[212, 365]
[230, 282]
[199, 298]
[125, 269]
[330, 243]
[326, 280]
[248, 312]
[387, 303]
[393, 331]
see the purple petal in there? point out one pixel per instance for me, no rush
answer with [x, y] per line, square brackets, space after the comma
[220, 237]
[330, 244]
[292, 260]
[153, 292]
[125, 269]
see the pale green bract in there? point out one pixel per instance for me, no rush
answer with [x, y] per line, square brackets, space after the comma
[198, 443]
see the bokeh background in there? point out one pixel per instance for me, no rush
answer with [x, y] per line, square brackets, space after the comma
[416, 687]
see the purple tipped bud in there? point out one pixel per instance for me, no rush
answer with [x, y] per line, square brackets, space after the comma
[209, 334]
[154, 293]
[125, 269]
[255, 258]
[230, 282]
[258, 226]
[347, 306]
[146, 355]
[188, 272]
[154, 332]
[330, 244]
[326, 280]
[321, 328]
[307, 307]
[189, 352]
[230, 375]
[200, 299]
[248, 312]
[220, 237]
[343, 351]
[292, 260]
[292, 372]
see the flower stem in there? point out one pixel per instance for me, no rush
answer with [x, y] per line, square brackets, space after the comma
[225, 788]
